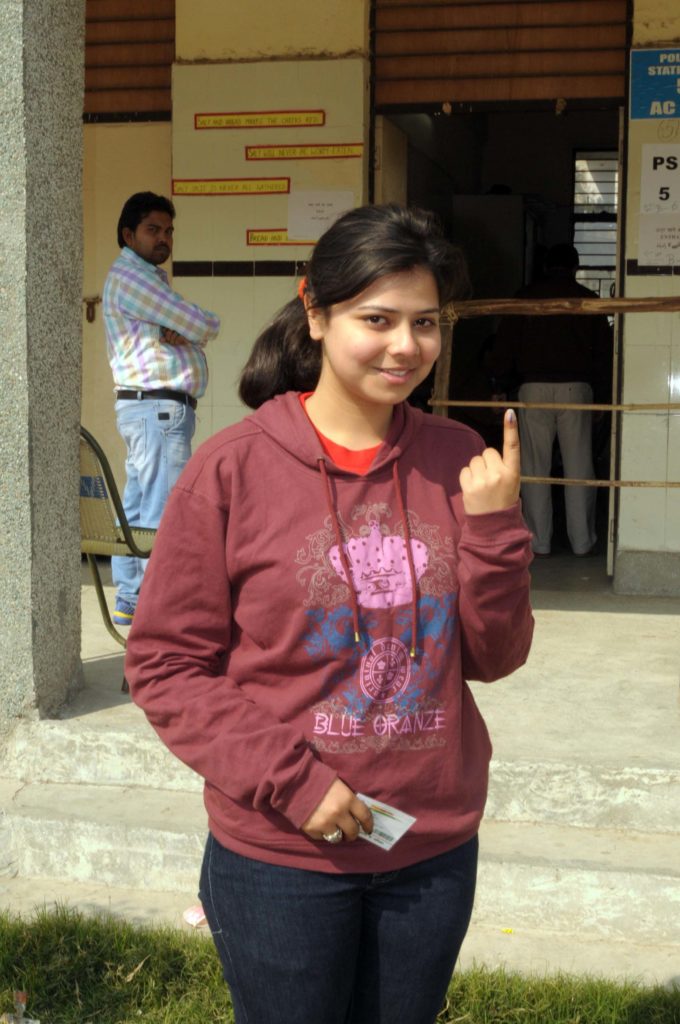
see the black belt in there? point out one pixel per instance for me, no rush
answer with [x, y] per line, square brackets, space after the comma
[175, 396]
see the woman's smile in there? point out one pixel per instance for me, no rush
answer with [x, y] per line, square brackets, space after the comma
[397, 373]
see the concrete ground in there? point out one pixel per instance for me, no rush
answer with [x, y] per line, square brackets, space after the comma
[590, 723]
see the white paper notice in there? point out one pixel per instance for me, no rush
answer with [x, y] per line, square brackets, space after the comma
[389, 824]
[660, 180]
[659, 241]
[310, 213]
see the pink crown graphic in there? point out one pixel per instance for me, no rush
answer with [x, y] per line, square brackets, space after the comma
[379, 567]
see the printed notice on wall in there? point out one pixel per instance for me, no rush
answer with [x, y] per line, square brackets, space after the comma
[310, 213]
[273, 236]
[318, 151]
[659, 241]
[659, 229]
[660, 179]
[261, 119]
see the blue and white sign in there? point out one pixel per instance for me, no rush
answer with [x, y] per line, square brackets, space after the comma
[654, 84]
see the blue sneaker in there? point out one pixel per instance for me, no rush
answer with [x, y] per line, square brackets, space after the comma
[123, 613]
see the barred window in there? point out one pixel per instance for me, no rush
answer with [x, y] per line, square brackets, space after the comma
[596, 182]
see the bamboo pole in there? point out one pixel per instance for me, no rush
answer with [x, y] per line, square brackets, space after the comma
[593, 407]
[570, 482]
[557, 307]
[549, 307]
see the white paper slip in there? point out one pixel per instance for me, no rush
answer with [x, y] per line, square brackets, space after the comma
[389, 824]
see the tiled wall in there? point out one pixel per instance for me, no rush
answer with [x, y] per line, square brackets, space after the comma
[648, 548]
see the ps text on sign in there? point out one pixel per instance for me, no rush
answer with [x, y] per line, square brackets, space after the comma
[660, 179]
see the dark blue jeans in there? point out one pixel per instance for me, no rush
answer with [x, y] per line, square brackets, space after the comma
[307, 947]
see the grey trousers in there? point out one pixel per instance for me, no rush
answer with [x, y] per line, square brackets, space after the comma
[573, 429]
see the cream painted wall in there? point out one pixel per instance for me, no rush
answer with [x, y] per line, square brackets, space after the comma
[654, 21]
[221, 30]
[214, 227]
[119, 159]
[648, 535]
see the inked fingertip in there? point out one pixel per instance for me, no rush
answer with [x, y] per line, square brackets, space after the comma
[510, 416]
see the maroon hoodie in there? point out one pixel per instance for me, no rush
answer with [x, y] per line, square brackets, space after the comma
[298, 623]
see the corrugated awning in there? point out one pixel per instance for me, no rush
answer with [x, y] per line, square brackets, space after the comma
[499, 50]
[129, 50]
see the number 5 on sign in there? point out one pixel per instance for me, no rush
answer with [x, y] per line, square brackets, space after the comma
[660, 179]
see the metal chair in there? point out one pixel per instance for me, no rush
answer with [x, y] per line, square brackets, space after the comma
[104, 528]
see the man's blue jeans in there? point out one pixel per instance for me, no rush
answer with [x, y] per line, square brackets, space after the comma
[157, 436]
[306, 947]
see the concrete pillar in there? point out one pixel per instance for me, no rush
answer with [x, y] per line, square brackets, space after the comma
[41, 103]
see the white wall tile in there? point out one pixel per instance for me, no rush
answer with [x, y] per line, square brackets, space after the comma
[647, 373]
[644, 446]
[673, 518]
[642, 520]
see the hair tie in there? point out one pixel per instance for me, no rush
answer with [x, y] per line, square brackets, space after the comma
[302, 288]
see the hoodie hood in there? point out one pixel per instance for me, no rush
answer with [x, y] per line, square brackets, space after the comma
[284, 420]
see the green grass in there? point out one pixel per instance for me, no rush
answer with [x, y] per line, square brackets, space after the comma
[78, 969]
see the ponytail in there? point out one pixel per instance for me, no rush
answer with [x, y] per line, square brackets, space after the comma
[284, 358]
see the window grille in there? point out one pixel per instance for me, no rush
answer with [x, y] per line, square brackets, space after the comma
[595, 215]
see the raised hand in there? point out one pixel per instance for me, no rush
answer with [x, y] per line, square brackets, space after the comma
[491, 482]
[340, 808]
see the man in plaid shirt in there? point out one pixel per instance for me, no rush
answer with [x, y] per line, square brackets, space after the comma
[155, 341]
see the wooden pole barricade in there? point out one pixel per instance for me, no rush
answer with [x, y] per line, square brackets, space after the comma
[548, 307]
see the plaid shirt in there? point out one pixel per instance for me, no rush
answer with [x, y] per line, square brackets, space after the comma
[137, 303]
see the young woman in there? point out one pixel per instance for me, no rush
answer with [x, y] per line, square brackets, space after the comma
[327, 575]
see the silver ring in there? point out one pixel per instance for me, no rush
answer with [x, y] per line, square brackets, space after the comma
[334, 837]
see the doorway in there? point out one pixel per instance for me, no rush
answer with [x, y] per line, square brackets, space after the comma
[508, 184]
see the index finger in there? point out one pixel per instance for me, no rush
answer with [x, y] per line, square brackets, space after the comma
[511, 441]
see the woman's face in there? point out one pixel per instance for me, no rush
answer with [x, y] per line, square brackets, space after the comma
[380, 344]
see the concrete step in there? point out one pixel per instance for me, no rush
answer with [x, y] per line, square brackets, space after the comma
[107, 834]
[121, 749]
[599, 796]
[618, 885]
[528, 951]
[539, 951]
[25, 896]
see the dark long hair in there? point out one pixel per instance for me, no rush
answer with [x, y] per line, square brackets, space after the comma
[360, 247]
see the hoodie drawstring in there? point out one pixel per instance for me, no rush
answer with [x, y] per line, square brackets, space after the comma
[345, 563]
[341, 549]
[409, 556]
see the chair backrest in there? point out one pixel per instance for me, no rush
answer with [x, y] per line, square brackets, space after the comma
[100, 504]
[104, 528]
